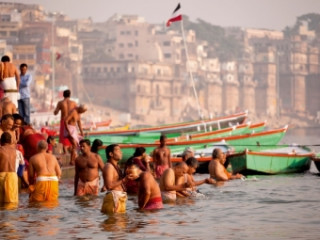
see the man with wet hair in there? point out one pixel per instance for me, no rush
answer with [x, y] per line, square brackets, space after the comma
[192, 164]
[114, 182]
[168, 184]
[44, 167]
[87, 165]
[161, 157]
[217, 170]
[149, 194]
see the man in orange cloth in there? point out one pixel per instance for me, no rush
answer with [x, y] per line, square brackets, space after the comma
[65, 106]
[45, 168]
[149, 194]
[87, 165]
[8, 174]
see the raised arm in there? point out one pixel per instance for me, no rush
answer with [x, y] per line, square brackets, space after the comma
[58, 108]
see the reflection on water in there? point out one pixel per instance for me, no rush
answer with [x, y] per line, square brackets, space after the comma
[261, 207]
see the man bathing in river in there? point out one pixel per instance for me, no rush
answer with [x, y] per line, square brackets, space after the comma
[8, 174]
[149, 194]
[217, 170]
[116, 197]
[168, 184]
[161, 157]
[87, 165]
[45, 168]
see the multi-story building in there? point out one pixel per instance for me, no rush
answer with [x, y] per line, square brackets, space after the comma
[144, 89]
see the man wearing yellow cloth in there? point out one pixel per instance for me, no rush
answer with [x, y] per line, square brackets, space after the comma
[44, 167]
[8, 174]
[114, 182]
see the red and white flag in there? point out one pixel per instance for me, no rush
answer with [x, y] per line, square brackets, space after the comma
[176, 16]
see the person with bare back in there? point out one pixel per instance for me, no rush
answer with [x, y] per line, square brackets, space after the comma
[161, 157]
[7, 107]
[9, 79]
[71, 122]
[64, 106]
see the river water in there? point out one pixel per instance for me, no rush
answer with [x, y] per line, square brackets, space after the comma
[261, 207]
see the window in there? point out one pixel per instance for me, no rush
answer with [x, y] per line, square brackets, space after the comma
[136, 33]
[130, 45]
[166, 43]
[121, 45]
[167, 55]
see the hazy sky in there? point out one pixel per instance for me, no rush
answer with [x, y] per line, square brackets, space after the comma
[271, 14]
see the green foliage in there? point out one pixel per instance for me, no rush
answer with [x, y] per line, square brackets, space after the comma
[312, 20]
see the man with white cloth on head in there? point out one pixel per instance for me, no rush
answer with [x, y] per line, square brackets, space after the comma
[9, 79]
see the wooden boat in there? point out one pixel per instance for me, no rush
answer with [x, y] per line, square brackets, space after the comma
[245, 128]
[316, 160]
[239, 143]
[200, 125]
[291, 159]
[96, 125]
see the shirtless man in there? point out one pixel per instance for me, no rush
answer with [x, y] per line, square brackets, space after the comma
[192, 164]
[187, 153]
[45, 168]
[168, 184]
[8, 174]
[217, 170]
[65, 106]
[116, 197]
[161, 157]
[7, 126]
[87, 165]
[9, 79]
[149, 194]
[7, 107]
[71, 121]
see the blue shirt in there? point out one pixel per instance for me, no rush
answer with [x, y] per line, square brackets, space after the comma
[25, 82]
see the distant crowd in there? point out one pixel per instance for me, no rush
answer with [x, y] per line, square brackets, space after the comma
[27, 160]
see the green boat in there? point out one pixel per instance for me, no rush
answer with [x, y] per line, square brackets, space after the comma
[239, 143]
[194, 126]
[279, 160]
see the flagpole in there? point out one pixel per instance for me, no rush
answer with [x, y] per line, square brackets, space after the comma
[190, 72]
[53, 56]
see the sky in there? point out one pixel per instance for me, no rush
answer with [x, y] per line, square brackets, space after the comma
[266, 14]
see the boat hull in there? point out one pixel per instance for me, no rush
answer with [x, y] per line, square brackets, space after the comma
[252, 163]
